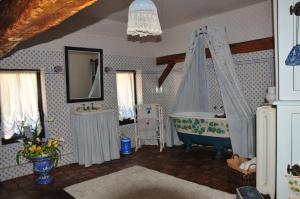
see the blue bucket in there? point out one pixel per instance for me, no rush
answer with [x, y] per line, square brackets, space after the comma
[125, 146]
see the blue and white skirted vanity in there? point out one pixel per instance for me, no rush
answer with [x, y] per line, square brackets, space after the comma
[96, 137]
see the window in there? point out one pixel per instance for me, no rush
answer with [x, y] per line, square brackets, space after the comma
[20, 100]
[126, 91]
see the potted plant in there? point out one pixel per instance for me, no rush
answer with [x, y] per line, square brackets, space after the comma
[43, 153]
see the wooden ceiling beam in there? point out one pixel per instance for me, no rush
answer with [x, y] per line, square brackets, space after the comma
[23, 19]
[165, 74]
[243, 47]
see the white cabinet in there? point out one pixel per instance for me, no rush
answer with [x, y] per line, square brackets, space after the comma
[288, 84]
[288, 76]
[288, 142]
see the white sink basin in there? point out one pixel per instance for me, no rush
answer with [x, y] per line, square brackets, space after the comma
[80, 111]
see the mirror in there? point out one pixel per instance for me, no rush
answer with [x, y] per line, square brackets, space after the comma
[84, 74]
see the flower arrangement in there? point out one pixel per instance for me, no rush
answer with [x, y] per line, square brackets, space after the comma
[35, 147]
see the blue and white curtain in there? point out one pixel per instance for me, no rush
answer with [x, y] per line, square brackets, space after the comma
[192, 95]
[240, 117]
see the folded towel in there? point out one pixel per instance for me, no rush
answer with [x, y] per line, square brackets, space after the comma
[245, 165]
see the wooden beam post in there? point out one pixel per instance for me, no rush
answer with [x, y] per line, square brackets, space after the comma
[243, 47]
[165, 74]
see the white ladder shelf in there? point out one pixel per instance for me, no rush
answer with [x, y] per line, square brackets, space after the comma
[149, 125]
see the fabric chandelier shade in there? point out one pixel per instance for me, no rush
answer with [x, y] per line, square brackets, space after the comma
[143, 19]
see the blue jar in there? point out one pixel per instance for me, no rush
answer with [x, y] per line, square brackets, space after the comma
[125, 146]
[42, 166]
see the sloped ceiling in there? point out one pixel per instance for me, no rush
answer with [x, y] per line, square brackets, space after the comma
[171, 12]
[23, 19]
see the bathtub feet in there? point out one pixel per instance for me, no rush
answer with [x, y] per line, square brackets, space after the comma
[219, 151]
[188, 147]
[219, 154]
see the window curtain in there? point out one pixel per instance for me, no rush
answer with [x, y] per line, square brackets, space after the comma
[125, 91]
[18, 100]
[192, 95]
[240, 117]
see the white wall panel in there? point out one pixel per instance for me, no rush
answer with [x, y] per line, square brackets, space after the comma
[245, 24]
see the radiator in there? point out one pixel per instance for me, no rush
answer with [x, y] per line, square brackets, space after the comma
[266, 150]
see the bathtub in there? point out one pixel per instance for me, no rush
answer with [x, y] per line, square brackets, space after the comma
[202, 128]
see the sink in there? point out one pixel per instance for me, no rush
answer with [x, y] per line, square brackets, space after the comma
[81, 111]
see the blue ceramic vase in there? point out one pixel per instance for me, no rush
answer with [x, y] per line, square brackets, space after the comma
[42, 166]
[293, 58]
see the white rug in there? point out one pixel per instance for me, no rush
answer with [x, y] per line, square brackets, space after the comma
[142, 183]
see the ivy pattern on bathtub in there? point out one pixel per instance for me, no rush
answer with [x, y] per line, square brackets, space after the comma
[218, 128]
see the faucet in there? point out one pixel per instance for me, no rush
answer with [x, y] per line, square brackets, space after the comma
[85, 108]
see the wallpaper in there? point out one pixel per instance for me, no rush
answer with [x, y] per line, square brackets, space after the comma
[255, 71]
[56, 100]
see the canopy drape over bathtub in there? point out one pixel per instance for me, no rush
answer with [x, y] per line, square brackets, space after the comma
[239, 114]
[192, 95]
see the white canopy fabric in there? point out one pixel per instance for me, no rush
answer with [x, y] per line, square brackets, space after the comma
[240, 117]
[96, 89]
[192, 95]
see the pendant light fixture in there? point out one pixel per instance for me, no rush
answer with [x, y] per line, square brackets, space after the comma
[143, 19]
[293, 58]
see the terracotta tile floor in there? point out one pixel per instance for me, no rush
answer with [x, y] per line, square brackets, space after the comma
[198, 166]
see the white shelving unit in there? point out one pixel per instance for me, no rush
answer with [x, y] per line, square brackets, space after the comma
[288, 104]
[149, 125]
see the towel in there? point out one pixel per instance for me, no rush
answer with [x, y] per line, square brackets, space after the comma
[245, 165]
[147, 111]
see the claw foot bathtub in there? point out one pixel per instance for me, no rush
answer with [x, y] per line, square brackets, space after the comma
[202, 128]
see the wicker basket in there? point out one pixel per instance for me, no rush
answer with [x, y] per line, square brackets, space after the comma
[239, 176]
